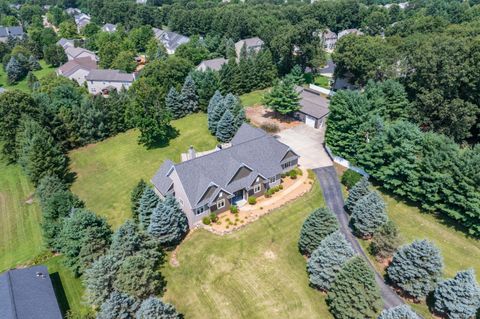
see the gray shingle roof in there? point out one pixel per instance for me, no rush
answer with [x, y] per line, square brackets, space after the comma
[11, 31]
[75, 52]
[262, 154]
[28, 293]
[213, 64]
[64, 43]
[171, 40]
[108, 27]
[312, 103]
[110, 76]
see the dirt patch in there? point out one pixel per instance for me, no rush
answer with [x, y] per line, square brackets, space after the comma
[259, 115]
[270, 255]
[30, 199]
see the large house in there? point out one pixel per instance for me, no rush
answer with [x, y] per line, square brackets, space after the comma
[329, 40]
[75, 53]
[252, 44]
[313, 107]
[10, 32]
[210, 183]
[170, 40]
[65, 43]
[213, 64]
[28, 293]
[81, 20]
[77, 69]
[105, 81]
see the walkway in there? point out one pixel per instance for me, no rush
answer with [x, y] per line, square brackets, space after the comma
[332, 193]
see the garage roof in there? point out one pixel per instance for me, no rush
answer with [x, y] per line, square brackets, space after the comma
[312, 103]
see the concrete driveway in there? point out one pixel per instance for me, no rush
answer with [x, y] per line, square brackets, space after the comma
[308, 143]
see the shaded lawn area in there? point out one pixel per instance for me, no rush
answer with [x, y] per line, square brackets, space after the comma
[322, 81]
[256, 272]
[107, 171]
[253, 98]
[23, 85]
[20, 235]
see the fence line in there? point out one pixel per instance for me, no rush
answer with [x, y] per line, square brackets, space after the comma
[345, 163]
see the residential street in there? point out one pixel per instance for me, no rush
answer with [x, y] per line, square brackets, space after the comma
[334, 199]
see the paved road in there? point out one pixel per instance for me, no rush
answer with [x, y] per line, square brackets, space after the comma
[332, 193]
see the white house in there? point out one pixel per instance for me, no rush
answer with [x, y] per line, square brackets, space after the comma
[77, 69]
[105, 81]
[75, 53]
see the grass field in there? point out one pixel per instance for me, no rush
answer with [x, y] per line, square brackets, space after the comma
[22, 85]
[256, 272]
[252, 98]
[108, 171]
[20, 236]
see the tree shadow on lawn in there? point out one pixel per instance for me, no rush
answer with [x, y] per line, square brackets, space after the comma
[160, 143]
[60, 293]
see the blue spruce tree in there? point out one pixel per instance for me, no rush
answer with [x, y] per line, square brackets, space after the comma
[213, 116]
[189, 96]
[369, 215]
[148, 202]
[360, 189]
[416, 268]
[316, 227]
[399, 312]
[328, 259]
[226, 127]
[154, 308]
[174, 104]
[168, 223]
[118, 305]
[458, 298]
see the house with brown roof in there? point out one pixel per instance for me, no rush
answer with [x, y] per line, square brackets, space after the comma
[77, 69]
[228, 176]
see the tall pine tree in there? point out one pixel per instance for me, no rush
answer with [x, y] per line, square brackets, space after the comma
[154, 308]
[360, 189]
[369, 215]
[148, 202]
[399, 312]
[174, 103]
[168, 223]
[189, 95]
[318, 225]
[226, 127]
[135, 196]
[213, 116]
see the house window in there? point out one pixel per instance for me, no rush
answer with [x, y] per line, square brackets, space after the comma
[221, 203]
[273, 179]
[200, 210]
[257, 188]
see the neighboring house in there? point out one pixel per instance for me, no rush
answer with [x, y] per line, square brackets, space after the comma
[73, 11]
[213, 64]
[75, 53]
[170, 40]
[28, 293]
[77, 69]
[65, 43]
[402, 5]
[329, 40]
[349, 31]
[314, 107]
[81, 20]
[105, 81]
[217, 180]
[108, 27]
[252, 44]
[7, 32]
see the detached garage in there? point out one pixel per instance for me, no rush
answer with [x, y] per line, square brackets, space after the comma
[314, 107]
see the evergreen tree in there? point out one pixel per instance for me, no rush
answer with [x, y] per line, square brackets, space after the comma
[389, 99]
[138, 277]
[32, 81]
[399, 312]
[296, 75]
[385, 242]
[98, 279]
[47, 186]
[354, 294]
[265, 69]
[135, 196]
[168, 225]
[189, 95]
[78, 230]
[318, 225]
[230, 52]
[227, 76]
[327, 259]
[360, 189]
[174, 103]
[416, 268]
[38, 154]
[154, 308]
[148, 202]
[126, 241]
[240, 118]
[214, 116]
[226, 127]
[33, 64]
[207, 83]
[458, 298]
[118, 305]
[283, 98]
[369, 215]
[15, 70]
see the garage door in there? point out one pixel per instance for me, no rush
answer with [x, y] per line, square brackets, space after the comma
[310, 121]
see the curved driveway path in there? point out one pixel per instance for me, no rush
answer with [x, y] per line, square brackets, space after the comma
[332, 193]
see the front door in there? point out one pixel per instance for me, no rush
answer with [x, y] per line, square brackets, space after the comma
[237, 196]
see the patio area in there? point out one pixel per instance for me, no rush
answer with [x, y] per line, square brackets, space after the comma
[292, 188]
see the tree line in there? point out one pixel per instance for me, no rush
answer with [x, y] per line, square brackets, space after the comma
[371, 130]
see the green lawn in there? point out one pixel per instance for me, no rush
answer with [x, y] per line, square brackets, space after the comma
[108, 171]
[322, 81]
[253, 98]
[20, 235]
[256, 272]
[22, 85]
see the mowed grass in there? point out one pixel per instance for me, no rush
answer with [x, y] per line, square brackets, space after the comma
[253, 98]
[108, 171]
[256, 272]
[20, 235]
[23, 85]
